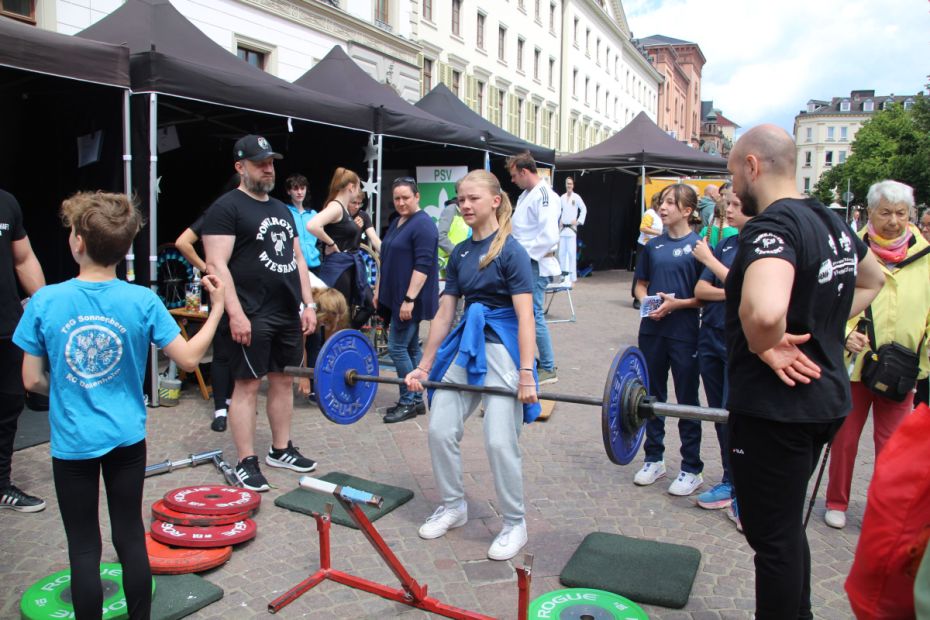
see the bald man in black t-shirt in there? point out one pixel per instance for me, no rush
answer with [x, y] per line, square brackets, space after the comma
[798, 275]
[17, 263]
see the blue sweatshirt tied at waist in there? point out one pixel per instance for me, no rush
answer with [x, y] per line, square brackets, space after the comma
[467, 339]
[336, 263]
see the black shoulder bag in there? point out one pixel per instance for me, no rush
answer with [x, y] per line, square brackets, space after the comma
[891, 370]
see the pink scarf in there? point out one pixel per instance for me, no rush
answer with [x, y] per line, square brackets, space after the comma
[890, 251]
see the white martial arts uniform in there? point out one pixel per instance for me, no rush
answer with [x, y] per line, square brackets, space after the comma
[573, 208]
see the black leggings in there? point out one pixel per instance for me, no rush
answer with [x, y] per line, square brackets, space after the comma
[77, 484]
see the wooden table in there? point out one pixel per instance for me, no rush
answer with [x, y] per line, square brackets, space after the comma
[183, 316]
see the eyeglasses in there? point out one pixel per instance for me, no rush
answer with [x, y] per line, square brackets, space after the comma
[409, 181]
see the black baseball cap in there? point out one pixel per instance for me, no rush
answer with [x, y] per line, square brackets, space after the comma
[254, 148]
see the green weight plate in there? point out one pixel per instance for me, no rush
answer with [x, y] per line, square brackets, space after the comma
[50, 597]
[584, 604]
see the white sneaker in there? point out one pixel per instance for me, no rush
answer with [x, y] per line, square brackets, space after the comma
[442, 521]
[686, 484]
[835, 518]
[509, 542]
[649, 473]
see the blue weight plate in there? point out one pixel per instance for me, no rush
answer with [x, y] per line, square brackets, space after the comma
[345, 350]
[621, 445]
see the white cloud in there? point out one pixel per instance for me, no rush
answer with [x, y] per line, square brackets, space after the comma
[766, 59]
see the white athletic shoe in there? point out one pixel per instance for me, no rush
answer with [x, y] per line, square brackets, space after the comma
[686, 484]
[509, 542]
[443, 520]
[835, 518]
[649, 473]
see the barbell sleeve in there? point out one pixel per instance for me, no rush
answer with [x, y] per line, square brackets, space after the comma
[648, 408]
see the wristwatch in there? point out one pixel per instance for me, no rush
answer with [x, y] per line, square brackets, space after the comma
[409, 300]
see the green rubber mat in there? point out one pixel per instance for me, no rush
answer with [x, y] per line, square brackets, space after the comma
[178, 596]
[308, 502]
[644, 571]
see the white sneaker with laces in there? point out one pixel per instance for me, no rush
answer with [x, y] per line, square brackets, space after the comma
[686, 484]
[509, 542]
[649, 473]
[443, 520]
[835, 518]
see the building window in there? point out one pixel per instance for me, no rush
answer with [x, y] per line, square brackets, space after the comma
[501, 40]
[809, 134]
[828, 160]
[807, 159]
[844, 134]
[538, 11]
[807, 185]
[551, 72]
[456, 81]
[868, 106]
[597, 51]
[519, 116]
[520, 44]
[480, 24]
[521, 4]
[886, 105]
[575, 32]
[831, 134]
[908, 103]
[22, 10]
[427, 75]
[844, 105]
[457, 17]
[536, 64]
[253, 57]
[382, 10]
[587, 84]
[574, 82]
[597, 98]
[587, 41]
[428, 10]
[842, 157]
[479, 97]
[552, 17]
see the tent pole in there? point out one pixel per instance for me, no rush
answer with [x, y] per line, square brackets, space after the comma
[642, 193]
[127, 178]
[153, 231]
[378, 184]
[487, 161]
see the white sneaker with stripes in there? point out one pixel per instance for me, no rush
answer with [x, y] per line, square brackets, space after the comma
[290, 458]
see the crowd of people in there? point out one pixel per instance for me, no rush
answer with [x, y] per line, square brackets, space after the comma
[789, 317]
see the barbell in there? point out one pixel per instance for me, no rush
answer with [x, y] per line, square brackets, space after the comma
[346, 378]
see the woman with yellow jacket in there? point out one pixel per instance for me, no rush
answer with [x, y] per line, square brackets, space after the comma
[900, 313]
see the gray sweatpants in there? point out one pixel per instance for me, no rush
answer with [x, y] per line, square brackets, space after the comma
[503, 421]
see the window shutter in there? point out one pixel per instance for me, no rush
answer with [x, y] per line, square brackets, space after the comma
[544, 138]
[492, 105]
[471, 98]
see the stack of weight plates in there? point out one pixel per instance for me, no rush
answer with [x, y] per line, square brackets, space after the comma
[194, 528]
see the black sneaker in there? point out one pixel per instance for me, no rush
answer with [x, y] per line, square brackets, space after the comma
[403, 412]
[11, 497]
[290, 458]
[250, 475]
[218, 424]
[420, 405]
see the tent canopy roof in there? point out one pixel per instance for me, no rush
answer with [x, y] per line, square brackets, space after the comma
[642, 144]
[170, 55]
[443, 103]
[40, 51]
[339, 75]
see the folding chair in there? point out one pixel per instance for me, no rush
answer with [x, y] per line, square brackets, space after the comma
[559, 287]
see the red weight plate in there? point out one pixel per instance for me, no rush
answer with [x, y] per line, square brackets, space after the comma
[214, 536]
[212, 500]
[167, 560]
[161, 512]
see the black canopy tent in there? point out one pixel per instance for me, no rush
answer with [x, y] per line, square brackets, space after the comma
[443, 103]
[55, 89]
[605, 175]
[337, 74]
[171, 56]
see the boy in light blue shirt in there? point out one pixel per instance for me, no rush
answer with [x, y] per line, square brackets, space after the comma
[93, 332]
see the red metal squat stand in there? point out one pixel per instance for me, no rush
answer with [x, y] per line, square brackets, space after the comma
[411, 593]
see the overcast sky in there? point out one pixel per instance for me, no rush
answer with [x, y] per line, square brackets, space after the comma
[766, 59]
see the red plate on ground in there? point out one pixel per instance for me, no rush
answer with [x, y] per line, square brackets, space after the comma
[212, 500]
[167, 560]
[214, 536]
[162, 513]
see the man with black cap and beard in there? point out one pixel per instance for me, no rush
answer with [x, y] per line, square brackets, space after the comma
[798, 275]
[251, 244]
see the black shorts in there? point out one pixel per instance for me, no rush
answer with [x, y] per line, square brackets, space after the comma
[275, 344]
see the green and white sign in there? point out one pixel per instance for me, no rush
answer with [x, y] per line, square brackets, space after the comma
[437, 185]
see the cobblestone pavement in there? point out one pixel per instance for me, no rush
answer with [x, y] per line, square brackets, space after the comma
[571, 490]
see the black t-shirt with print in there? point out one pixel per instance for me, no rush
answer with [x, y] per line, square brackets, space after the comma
[825, 255]
[263, 265]
[11, 229]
